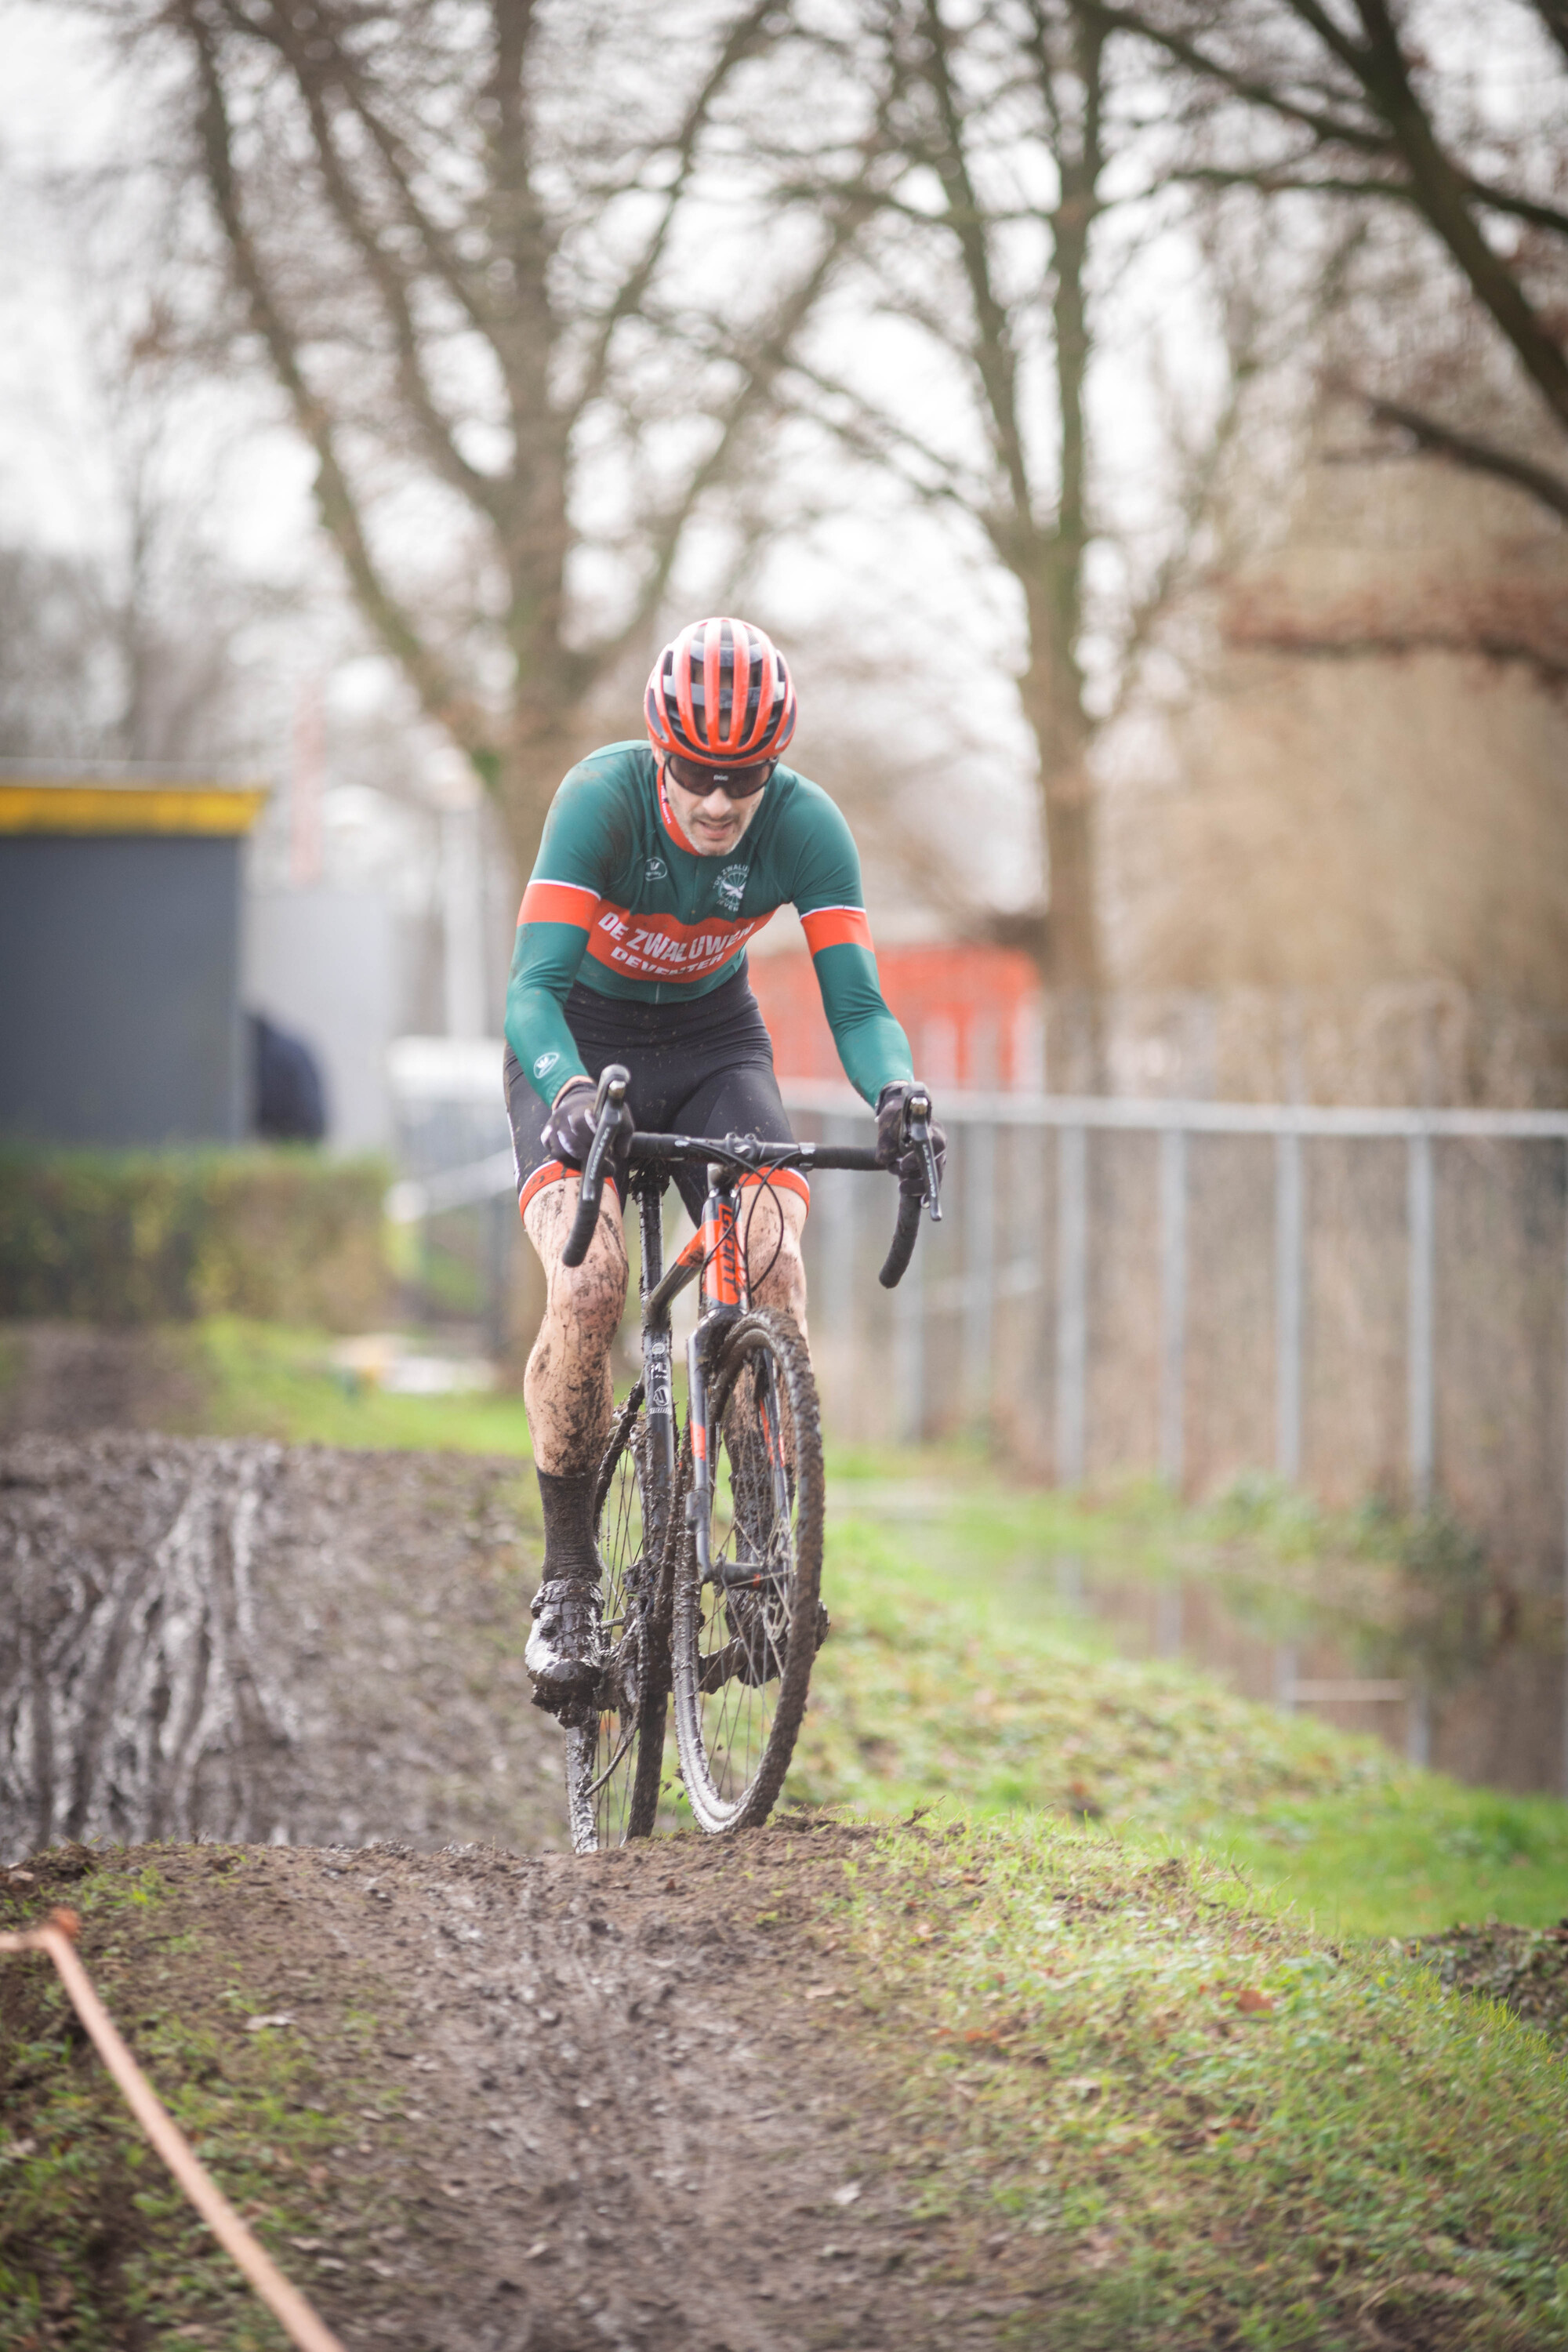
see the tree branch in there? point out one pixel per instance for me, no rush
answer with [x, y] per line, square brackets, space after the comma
[761, 366]
[389, 276]
[1469, 450]
[1441, 196]
[1333, 130]
[1273, 180]
[633, 291]
[438, 690]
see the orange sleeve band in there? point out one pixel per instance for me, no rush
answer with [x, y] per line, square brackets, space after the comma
[559, 902]
[837, 927]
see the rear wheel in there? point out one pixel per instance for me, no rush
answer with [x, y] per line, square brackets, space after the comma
[745, 1633]
[613, 1757]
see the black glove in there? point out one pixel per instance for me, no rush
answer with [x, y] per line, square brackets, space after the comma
[568, 1132]
[894, 1148]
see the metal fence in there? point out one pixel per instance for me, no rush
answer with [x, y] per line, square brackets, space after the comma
[1366, 1302]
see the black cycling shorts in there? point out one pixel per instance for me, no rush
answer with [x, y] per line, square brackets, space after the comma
[701, 1068]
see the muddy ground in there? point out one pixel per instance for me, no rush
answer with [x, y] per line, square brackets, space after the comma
[227, 1638]
[474, 2092]
[607, 2102]
[614, 2102]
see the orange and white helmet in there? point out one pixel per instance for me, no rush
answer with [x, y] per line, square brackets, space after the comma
[721, 693]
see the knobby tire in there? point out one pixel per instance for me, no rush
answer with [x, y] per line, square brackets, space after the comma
[613, 1760]
[741, 1659]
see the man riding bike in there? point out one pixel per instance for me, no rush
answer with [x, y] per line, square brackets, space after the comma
[658, 862]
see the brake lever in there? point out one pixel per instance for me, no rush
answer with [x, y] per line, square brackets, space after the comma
[612, 1094]
[917, 1127]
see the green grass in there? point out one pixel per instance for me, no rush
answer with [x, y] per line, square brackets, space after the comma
[98, 2245]
[1173, 2118]
[263, 1380]
[951, 1679]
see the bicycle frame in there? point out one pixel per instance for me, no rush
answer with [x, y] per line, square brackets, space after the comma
[716, 1258]
[745, 1553]
[657, 1344]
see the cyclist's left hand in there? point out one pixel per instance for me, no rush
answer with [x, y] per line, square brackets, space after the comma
[893, 1147]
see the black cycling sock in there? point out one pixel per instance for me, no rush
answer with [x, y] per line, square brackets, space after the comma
[568, 1503]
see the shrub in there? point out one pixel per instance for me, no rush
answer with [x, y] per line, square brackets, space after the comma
[150, 1237]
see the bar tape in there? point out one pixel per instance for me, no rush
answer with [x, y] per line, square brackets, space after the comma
[287, 2304]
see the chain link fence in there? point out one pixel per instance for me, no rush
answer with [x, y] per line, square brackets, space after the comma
[1366, 1303]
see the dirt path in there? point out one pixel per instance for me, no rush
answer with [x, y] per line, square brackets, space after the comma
[508, 2101]
[616, 2102]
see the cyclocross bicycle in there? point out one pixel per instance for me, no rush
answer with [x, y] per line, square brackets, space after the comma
[708, 1537]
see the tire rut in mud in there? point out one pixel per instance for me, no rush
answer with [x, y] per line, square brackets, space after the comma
[232, 1639]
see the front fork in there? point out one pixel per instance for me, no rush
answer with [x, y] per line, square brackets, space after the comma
[659, 1394]
[724, 1298]
[721, 1299]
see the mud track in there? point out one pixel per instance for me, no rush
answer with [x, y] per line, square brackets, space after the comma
[623, 2100]
[615, 2102]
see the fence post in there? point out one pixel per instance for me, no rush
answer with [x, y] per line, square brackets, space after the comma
[1072, 1302]
[908, 1348]
[1289, 1319]
[1172, 1302]
[839, 1195]
[980, 1263]
[1420, 1335]
[834, 1201]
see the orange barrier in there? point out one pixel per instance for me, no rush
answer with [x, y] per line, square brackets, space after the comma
[287, 2304]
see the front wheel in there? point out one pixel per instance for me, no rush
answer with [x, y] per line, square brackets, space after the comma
[746, 1620]
[614, 1756]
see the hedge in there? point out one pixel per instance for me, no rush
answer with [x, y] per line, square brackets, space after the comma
[155, 1238]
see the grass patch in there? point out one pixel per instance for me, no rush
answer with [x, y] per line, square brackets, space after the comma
[1174, 2119]
[262, 1379]
[98, 2246]
[965, 1685]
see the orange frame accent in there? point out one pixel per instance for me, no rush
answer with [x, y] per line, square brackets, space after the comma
[724, 1276]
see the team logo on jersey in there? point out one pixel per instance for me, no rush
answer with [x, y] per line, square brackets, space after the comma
[731, 888]
[545, 1065]
[656, 869]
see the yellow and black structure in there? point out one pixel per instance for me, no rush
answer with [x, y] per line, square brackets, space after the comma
[120, 941]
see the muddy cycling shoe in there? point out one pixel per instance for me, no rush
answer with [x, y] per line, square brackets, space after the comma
[565, 1650]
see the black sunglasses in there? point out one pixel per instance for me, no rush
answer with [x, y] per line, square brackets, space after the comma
[735, 783]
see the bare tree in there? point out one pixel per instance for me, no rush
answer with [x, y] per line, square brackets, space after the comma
[466, 241]
[996, 237]
[1382, 106]
[995, 270]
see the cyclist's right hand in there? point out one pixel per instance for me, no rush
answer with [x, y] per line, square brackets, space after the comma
[568, 1132]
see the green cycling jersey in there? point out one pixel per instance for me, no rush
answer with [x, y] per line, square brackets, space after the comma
[621, 903]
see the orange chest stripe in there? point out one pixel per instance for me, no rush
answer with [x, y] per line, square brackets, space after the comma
[659, 947]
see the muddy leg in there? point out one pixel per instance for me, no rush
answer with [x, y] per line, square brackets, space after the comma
[775, 1269]
[567, 1386]
[568, 1391]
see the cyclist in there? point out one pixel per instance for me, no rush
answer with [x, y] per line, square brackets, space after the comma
[660, 861]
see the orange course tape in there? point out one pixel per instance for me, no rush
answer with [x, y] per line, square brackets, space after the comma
[285, 2301]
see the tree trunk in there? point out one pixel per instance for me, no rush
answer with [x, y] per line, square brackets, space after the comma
[1052, 692]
